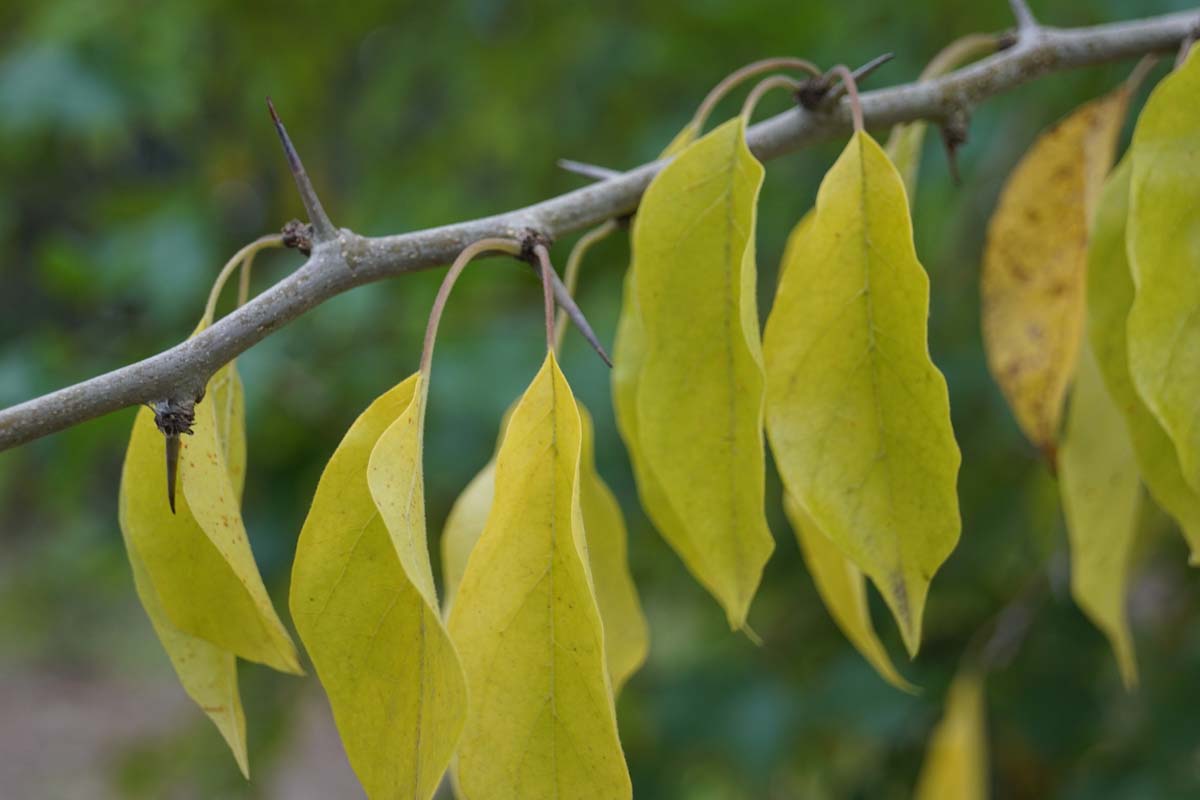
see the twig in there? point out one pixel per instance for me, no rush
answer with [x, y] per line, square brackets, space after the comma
[1027, 24]
[186, 367]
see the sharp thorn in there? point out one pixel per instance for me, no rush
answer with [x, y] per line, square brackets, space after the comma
[323, 228]
[172, 468]
[596, 173]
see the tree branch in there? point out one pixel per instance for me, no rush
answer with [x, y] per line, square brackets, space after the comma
[349, 260]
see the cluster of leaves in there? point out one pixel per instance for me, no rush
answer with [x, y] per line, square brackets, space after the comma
[512, 674]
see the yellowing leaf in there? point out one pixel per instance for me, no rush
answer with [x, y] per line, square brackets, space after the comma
[629, 356]
[541, 722]
[1164, 254]
[1034, 264]
[363, 600]
[207, 672]
[626, 637]
[843, 590]
[193, 569]
[1110, 296]
[699, 392]
[956, 763]
[1098, 478]
[464, 526]
[857, 414]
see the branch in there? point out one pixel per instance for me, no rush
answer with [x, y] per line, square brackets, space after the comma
[349, 260]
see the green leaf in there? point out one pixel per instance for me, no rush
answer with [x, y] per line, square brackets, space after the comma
[956, 763]
[194, 571]
[843, 590]
[1110, 296]
[541, 722]
[364, 603]
[626, 636]
[1098, 478]
[1034, 264]
[699, 392]
[857, 414]
[1164, 254]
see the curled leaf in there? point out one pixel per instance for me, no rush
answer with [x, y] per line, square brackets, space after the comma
[1098, 477]
[541, 722]
[1164, 254]
[364, 604]
[698, 403]
[194, 571]
[1034, 264]
[1110, 297]
[857, 414]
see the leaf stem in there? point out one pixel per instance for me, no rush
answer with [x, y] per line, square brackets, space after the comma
[468, 254]
[764, 86]
[961, 50]
[571, 273]
[243, 256]
[547, 272]
[739, 76]
[856, 112]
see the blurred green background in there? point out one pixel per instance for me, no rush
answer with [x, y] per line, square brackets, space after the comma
[136, 155]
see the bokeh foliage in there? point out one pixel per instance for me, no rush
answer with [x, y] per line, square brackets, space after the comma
[136, 154]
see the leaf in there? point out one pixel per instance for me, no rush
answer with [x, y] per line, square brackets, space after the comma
[541, 721]
[193, 570]
[956, 763]
[1098, 478]
[1164, 254]
[1110, 296]
[364, 603]
[1034, 264]
[843, 590]
[699, 392]
[857, 414]
[626, 636]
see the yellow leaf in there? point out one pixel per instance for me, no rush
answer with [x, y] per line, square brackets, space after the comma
[843, 590]
[363, 600]
[857, 414]
[541, 721]
[626, 637]
[1110, 296]
[1034, 263]
[464, 526]
[629, 356]
[207, 672]
[956, 763]
[700, 388]
[194, 571]
[1098, 479]
[1164, 254]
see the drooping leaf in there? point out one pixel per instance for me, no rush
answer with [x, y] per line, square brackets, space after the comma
[1098, 478]
[857, 414]
[700, 388]
[193, 569]
[843, 590]
[956, 762]
[541, 722]
[1164, 255]
[1110, 296]
[626, 636]
[1034, 264]
[363, 600]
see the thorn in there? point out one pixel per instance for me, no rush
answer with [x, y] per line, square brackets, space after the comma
[596, 173]
[323, 229]
[954, 135]
[172, 468]
[534, 241]
[816, 92]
